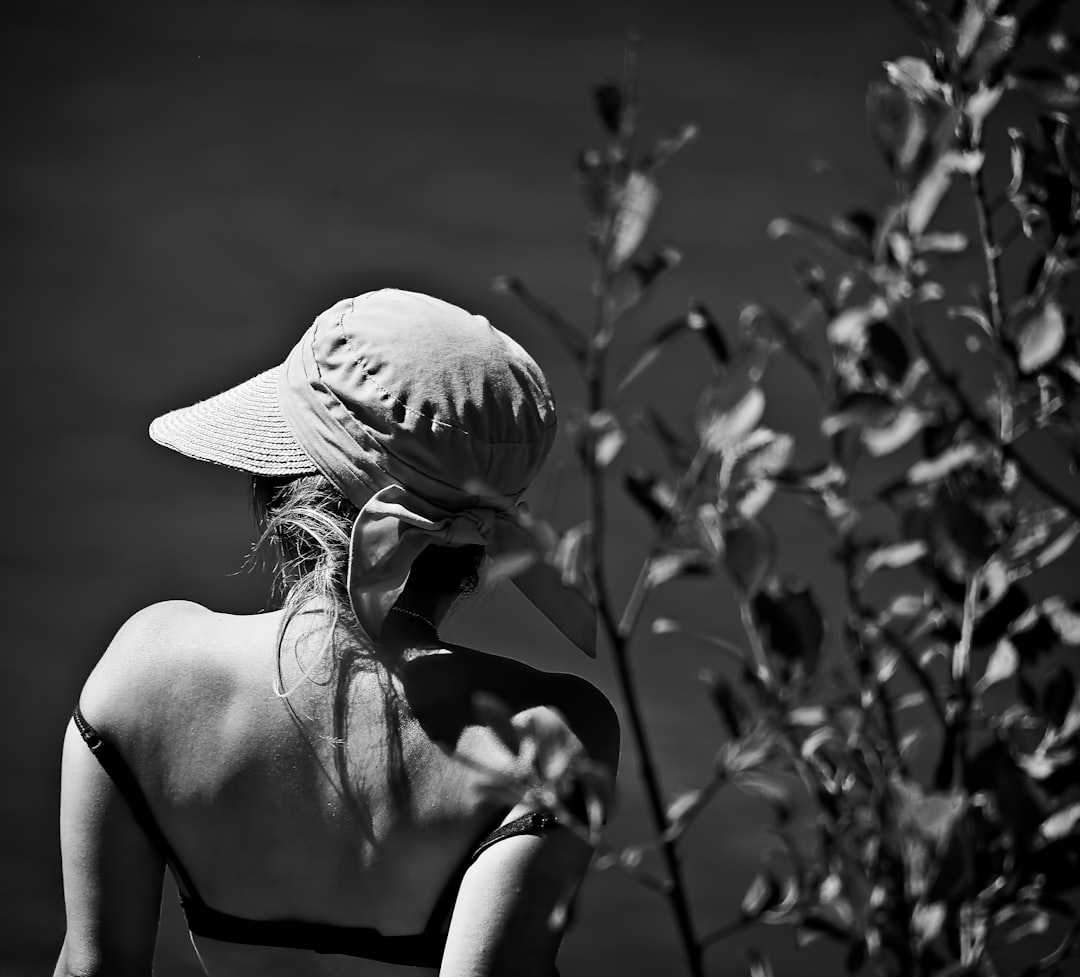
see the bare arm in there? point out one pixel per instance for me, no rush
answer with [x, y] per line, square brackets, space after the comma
[112, 874]
[501, 922]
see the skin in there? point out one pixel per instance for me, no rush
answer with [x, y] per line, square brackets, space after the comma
[273, 821]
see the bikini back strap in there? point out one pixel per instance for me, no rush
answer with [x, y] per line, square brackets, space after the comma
[120, 773]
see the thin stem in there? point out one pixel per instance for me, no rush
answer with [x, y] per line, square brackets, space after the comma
[730, 929]
[761, 658]
[635, 602]
[595, 363]
[921, 676]
[991, 251]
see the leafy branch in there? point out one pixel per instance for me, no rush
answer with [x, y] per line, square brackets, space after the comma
[927, 879]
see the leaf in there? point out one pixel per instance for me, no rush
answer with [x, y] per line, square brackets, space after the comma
[952, 242]
[1003, 662]
[927, 920]
[981, 103]
[752, 497]
[1042, 534]
[729, 413]
[749, 552]
[598, 437]
[610, 438]
[849, 327]
[609, 106]
[933, 469]
[506, 566]
[883, 439]
[808, 716]
[933, 186]
[668, 146]
[670, 564]
[933, 814]
[901, 127]
[1037, 924]
[636, 203]
[701, 321]
[1065, 620]
[492, 712]
[570, 554]
[996, 43]
[759, 963]
[567, 333]
[747, 753]
[894, 555]
[654, 495]
[1040, 338]
[791, 623]
[763, 894]
[761, 454]
[767, 787]
[683, 810]
[974, 314]
[858, 409]
[647, 271]
[1060, 824]
[914, 77]
[549, 736]
[970, 27]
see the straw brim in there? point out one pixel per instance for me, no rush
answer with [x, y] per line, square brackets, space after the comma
[242, 428]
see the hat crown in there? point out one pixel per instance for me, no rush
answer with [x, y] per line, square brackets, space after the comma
[451, 402]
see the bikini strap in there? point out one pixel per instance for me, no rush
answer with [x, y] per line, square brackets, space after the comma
[120, 773]
[530, 823]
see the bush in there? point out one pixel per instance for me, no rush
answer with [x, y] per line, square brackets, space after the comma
[940, 521]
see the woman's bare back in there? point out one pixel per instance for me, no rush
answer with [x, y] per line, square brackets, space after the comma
[346, 802]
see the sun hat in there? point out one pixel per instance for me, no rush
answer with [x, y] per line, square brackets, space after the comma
[426, 417]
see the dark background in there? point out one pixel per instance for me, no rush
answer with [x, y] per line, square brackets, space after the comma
[185, 185]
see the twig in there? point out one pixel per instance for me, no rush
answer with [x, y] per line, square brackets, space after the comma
[897, 644]
[636, 601]
[594, 378]
[729, 929]
[991, 252]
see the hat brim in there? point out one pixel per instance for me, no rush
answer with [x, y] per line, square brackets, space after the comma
[242, 428]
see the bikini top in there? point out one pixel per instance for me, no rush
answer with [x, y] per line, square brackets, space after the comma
[422, 949]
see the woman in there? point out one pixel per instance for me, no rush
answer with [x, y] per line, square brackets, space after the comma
[315, 777]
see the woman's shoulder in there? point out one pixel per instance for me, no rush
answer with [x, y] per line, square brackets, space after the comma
[165, 656]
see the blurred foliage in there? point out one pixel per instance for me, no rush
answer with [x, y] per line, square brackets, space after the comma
[909, 875]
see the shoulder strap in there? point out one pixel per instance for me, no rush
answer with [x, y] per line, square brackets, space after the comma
[529, 823]
[120, 773]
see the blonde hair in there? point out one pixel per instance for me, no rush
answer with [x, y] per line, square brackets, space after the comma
[307, 524]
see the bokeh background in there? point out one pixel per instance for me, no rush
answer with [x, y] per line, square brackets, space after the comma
[185, 185]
